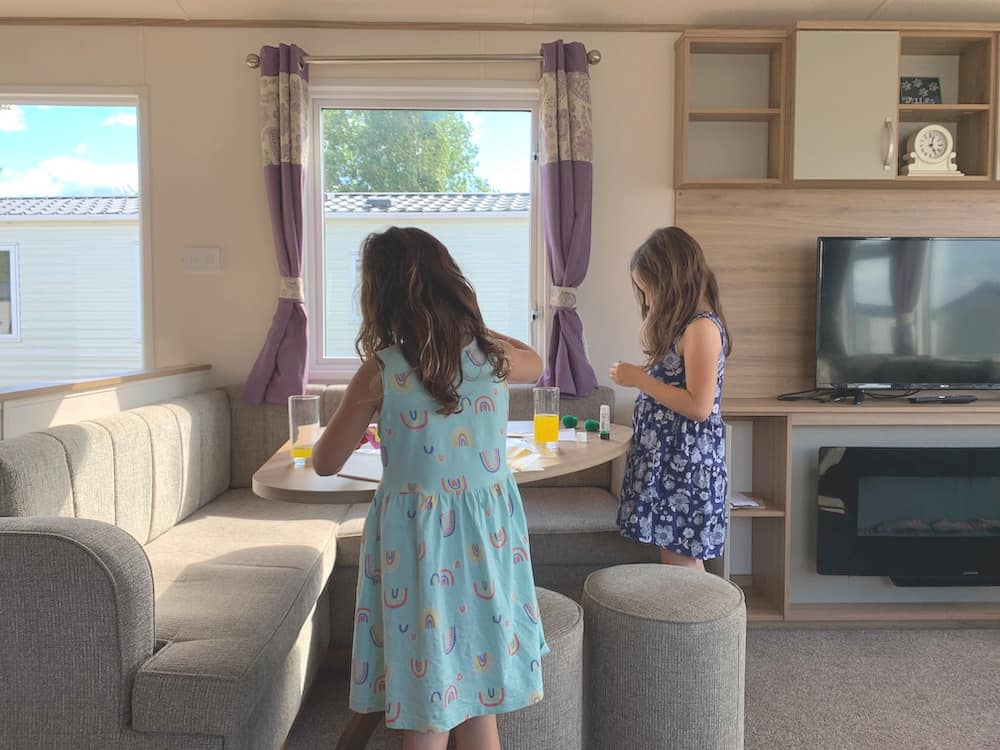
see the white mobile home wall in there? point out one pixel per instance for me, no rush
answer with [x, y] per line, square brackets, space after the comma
[79, 300]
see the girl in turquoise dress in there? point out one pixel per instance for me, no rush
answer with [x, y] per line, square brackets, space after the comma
[447, 631]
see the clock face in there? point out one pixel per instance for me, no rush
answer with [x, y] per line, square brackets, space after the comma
[932, 144]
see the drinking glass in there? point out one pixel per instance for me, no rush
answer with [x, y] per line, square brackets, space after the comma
[303, 426]
[546, 415]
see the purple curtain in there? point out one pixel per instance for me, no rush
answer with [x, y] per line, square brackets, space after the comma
[280, 369]
[566, 153]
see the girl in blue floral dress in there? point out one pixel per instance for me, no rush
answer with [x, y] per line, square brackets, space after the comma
[675, 489]
[447, 630]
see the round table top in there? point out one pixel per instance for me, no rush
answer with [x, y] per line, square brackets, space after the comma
[280, 479]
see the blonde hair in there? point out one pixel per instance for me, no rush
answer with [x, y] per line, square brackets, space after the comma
[672, 265]
[413, 295]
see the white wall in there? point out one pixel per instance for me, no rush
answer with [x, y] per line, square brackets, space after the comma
[78, 300]
[205, 166]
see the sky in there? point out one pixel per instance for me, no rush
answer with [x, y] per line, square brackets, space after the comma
[68, 150]
[93, 150]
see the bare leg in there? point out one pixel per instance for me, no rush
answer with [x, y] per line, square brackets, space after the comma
[669, 557]
[478, 733]
[424, 740]
[359, 730]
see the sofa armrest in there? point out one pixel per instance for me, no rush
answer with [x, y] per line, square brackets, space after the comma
[76, 621]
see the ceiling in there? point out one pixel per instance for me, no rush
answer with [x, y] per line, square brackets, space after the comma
[554, 12]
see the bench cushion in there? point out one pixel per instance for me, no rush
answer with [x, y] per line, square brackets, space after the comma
[557, 516]
[234, 585]
[142, 470]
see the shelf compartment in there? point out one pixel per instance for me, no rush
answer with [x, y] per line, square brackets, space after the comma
[721, 148]
[963, 62]
[733, 114]
[971, 133]
[767, 511]
[729, 118]
[939, 112]
[759, 607]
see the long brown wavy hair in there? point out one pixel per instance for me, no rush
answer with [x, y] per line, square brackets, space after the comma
[672, 265]
[413, 295]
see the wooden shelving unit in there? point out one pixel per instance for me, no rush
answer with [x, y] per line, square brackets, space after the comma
[773, 428]
[730, 118]
[965, 62]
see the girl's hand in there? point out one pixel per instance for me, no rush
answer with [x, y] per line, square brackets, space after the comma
[626, 374]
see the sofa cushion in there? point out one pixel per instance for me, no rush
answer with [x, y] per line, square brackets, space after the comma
[234, 585]
[142, 470]
[557, 517]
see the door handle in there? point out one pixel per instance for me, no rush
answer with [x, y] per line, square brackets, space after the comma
[891, 148]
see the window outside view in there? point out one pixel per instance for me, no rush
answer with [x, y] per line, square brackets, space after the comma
[463, 176]
[70, 304]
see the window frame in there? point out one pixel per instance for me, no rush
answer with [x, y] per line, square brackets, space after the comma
[111, 96]
[466, 96]
[15, 297]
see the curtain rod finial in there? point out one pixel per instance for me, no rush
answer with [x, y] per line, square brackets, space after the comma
[253, 60]
[593, 56]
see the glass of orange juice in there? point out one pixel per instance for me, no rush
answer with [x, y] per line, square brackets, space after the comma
[546, 415]
[303, 426]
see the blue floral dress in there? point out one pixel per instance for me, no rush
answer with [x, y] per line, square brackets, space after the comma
[447, 624]
[675, 491]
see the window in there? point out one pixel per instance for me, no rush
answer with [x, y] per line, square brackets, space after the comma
[443, 161]
[71, 282]
[8, 292]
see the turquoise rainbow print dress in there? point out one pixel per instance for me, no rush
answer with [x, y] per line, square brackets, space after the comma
[447, 624]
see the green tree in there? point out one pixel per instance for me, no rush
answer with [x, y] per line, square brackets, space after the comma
[404, 151]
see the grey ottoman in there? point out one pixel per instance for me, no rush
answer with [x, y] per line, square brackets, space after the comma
[556, 722]
[664, 658]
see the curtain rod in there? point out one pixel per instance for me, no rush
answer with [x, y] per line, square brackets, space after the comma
[253, 59]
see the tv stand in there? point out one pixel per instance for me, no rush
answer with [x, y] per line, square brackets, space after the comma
[776, 443]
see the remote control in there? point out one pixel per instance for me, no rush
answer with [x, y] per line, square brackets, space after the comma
[942, 399]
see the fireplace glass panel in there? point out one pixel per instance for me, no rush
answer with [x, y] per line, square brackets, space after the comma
[928, 506]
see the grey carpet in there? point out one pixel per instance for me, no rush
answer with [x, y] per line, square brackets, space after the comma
[843, 689]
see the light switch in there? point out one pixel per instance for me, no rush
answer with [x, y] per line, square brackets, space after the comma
[201, 260]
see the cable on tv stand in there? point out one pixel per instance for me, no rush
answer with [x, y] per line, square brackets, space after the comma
[856, 395]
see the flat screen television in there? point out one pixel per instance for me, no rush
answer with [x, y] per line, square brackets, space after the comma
[908, 312]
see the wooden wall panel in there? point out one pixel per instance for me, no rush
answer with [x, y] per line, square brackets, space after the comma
[762, 246]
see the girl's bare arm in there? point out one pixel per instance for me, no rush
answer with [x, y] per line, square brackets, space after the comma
[525, 364]
[361, 400]
[700, 346]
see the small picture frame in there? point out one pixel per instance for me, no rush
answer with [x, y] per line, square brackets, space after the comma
[919, 90]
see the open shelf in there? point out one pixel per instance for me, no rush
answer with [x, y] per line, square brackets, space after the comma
[759, 607]
[963, 64]
[729, 128]
[767, 511]
[939, 112]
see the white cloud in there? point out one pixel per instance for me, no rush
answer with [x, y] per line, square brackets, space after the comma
[64, 175]
[12, 118]
[475, 120]
[122, 118]
[81, 149]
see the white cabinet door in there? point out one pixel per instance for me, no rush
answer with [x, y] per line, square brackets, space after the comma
[846, 92]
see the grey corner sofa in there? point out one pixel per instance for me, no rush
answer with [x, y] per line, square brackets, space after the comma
[150, 601]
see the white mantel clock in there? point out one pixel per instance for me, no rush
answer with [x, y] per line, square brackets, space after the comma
[929, 152]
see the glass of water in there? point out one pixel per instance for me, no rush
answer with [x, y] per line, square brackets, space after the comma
[303, 427]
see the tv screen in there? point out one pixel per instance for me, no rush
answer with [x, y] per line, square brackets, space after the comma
[908, 312]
